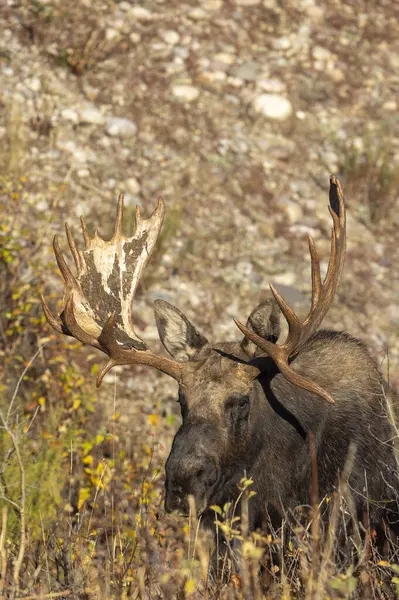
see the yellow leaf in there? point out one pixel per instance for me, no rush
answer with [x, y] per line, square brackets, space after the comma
[87, 446]
[88, 460]
[153, 419]
[42, 401]
[383, 563]
[190, 586]
[76, 404]
[84, 493]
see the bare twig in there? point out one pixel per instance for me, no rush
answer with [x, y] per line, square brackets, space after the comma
[46, 596]
[3, 552]
[29, 364]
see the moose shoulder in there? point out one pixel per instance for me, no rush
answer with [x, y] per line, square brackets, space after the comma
[248, 406]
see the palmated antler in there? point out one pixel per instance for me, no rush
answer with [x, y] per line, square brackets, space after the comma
[322, 297]
[98, 301]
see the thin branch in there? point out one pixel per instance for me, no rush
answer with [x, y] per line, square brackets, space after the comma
[29, 364]
[3, 552]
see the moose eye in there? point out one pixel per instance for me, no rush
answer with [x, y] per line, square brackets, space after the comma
[243, 402]
[238, 405]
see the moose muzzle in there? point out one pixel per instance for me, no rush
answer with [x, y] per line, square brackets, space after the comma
[192, 469]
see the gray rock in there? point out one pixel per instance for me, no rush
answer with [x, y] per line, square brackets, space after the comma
[248, 71]
[119, 127]
[276, 146]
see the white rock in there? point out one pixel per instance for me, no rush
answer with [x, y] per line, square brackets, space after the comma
[390, 105]
[197, 14]
[282, 43]
[320, 53]
[224, 57]
[135, 37]
[83, 173]
[80, 154]
[111, 34]
[212, 4]
[274, 86]
[34, 84]
[288, 278]
[42, 205]
[185, 93]
[69, 114]
[273, 106]
[292, 210]
[140, 13]
[89, 113]
[170, 37]
[118, 127]
[247, 2]
[132, 186]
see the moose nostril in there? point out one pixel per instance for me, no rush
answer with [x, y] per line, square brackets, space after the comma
[177, 489]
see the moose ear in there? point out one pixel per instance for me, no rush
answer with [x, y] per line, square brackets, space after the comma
[179, 337]
[265, 321]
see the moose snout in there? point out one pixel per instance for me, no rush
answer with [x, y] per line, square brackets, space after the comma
[198, 481]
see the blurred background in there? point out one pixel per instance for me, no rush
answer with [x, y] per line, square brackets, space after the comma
[235, 112]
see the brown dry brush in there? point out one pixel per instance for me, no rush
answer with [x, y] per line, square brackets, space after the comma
[320, 551]
[82, 516]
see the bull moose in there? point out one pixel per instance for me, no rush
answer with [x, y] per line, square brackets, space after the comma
[248, 406]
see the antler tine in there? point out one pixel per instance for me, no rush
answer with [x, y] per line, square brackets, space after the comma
[118, 230]
[322, 296]
[74, 250]
[85, 232]
[62, 263]
[316, 275]
[294, 324]
[51, 320]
